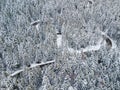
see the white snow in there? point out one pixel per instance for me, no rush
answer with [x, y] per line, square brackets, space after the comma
[113, 44]
[94, 47]
[89, 48]
[37, 27]
[59, 41]
[37, 21]
[72, 88]
[85, 81]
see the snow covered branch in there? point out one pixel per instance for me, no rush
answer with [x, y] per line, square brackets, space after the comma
[89, 48]
[42, 64]
[109, 43]
[32, 66]
[34, 23]
[16, 72]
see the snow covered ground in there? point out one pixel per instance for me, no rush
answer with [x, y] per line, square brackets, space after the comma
[86, 56]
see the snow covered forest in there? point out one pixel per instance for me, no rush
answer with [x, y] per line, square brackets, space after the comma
[59, 44]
